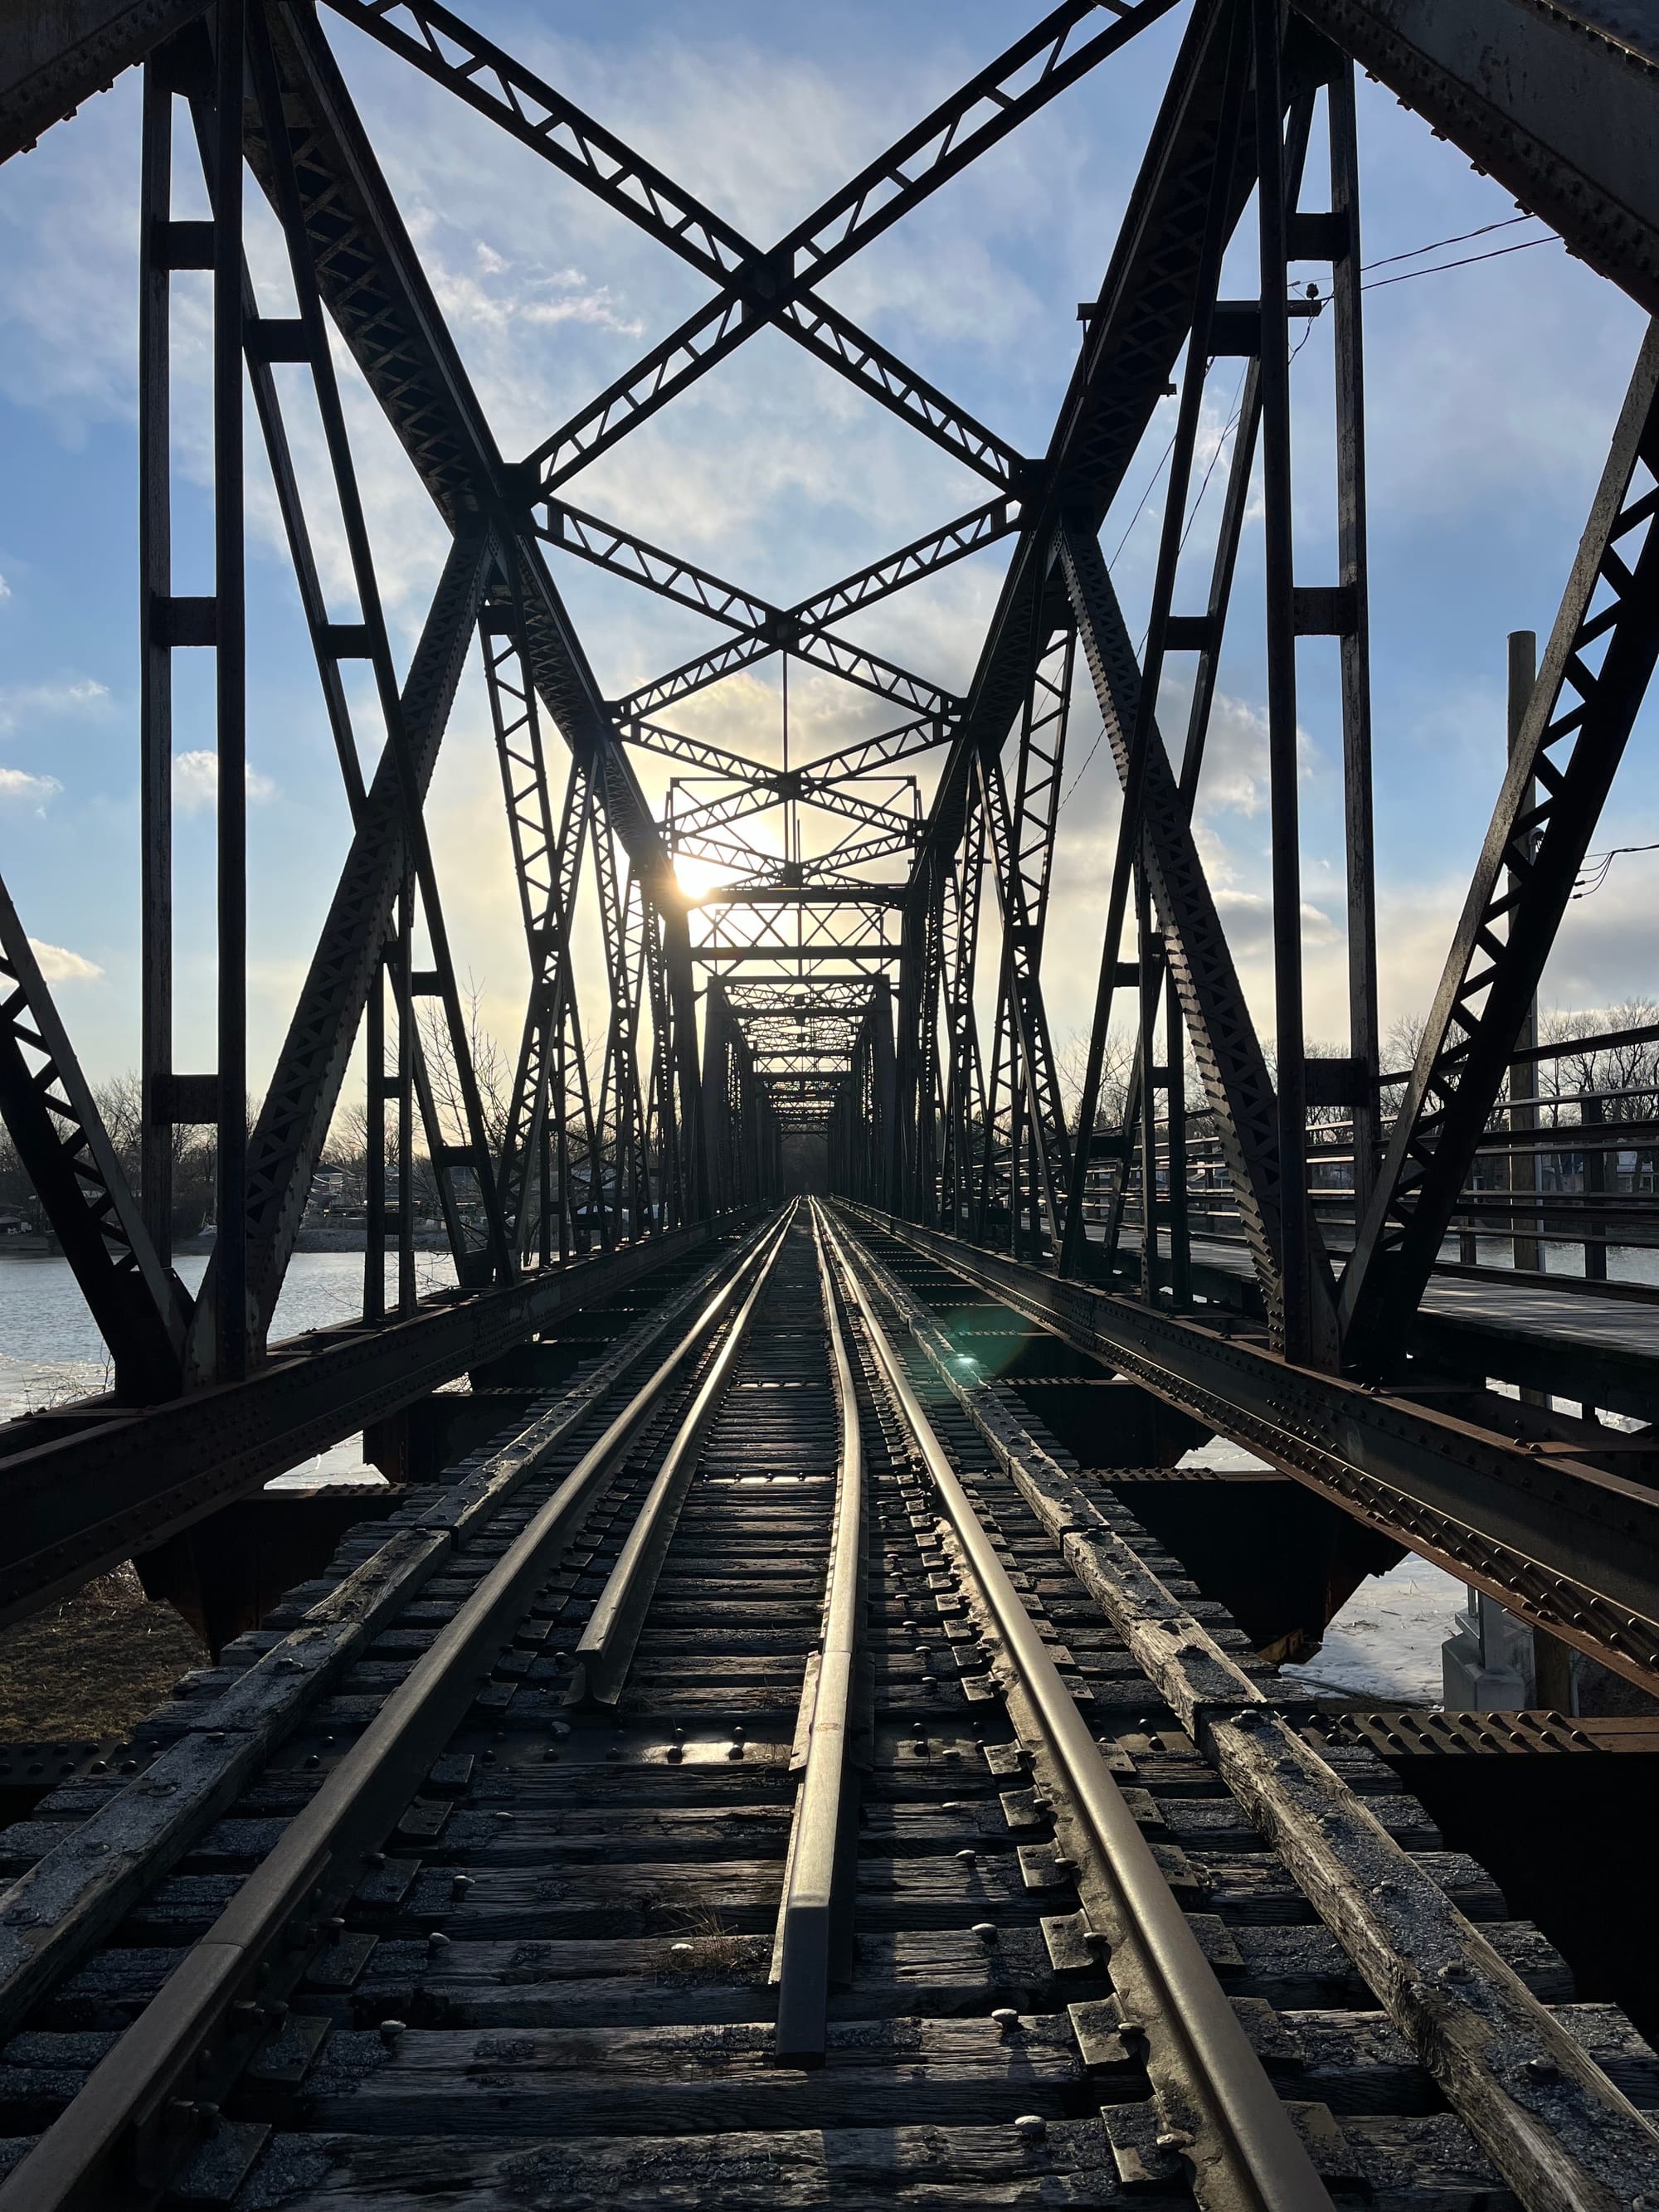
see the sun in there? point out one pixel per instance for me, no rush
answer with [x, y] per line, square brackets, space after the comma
[696, 876]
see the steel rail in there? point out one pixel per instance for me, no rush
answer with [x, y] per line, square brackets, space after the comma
[605, 1650]
[1268, 2163]
[807, 1917]
[1565, 1544]
[1489, 2042]
[136, 2114]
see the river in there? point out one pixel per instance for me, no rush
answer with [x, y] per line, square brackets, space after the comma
[51, 1350]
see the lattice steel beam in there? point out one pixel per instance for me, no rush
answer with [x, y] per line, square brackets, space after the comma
[775, 286]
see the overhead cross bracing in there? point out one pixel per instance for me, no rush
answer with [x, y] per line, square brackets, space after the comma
[850, 938]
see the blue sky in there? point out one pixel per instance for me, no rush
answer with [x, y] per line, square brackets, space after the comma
[1493, 389]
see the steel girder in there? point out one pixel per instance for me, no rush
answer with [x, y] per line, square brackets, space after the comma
[752, 281]
[763, 628]
[1594, 678]
[1550, 101]
[1564, 1542]
[775, 286]
[1555, 101]
[367, 275]
[53, 58]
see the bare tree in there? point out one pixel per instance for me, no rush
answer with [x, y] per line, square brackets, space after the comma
[1071, 1064]
[492, 1069]
[1625, 1077]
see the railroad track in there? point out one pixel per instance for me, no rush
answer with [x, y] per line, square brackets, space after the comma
[767, 1777]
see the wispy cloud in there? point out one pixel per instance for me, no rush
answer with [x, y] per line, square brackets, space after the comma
[501, 290]
[196, 782]
[16, 784]
[60, 965]
[21, 703]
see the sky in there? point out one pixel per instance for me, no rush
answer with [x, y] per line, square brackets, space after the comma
[1493, 387]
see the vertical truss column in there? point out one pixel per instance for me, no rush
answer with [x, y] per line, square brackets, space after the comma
[912, 1067]
[663, 1133]
[306, 340]
[620, 1116]
[1289, 1074]
[964, 1076]
[550, 1076]
[155, 660]
[1022, 843]
[235, 1328]
[1353, 613]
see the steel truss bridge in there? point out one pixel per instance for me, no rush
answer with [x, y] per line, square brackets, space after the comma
[834, 987]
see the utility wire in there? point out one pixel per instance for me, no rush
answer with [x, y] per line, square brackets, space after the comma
[1465, 262]
[1152, 486]
[1599, 865]
[1458, 238]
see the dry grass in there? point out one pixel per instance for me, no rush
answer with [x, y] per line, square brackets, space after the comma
[719, 1955]
[93, 1664]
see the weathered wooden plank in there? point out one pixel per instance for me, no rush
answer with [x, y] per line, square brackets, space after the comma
[1071, 2168]
[679, 2079]
[737, 1897]
[1260, 1888]
[702, 1979]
